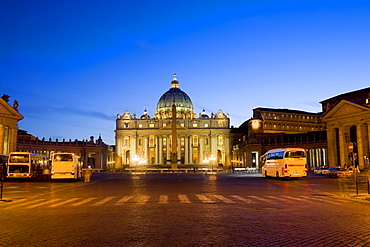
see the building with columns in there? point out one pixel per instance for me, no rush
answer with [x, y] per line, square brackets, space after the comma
[202, 140]
[9, 117]
[347, 118]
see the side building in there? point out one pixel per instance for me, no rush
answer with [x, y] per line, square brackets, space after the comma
[94, 153]
[271, 128]
[347, 117]
[145, 141]
[9, 117]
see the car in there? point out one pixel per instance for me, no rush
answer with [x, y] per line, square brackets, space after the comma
[321, 170]
[340, 172]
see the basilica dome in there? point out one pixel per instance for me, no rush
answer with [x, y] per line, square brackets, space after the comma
[175, 96]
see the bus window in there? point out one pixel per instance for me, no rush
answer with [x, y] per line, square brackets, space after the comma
[63, 157]
[295, 154]
[19, 158]
[275, 156]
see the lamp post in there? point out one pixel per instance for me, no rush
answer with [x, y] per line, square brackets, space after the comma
[136, 160]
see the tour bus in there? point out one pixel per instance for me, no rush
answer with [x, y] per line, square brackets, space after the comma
[66, 166]
[26, 165]
[284, 162]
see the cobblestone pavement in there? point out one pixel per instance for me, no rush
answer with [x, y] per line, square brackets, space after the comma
[183, 210]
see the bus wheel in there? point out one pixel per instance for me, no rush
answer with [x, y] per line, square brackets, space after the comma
[277, 174]
[266, 174]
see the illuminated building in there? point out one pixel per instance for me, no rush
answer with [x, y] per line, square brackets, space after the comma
[271, 128]
[347, 117]
[9, 117]
[146, 140]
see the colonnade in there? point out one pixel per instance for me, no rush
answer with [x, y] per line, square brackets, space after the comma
[339, 137]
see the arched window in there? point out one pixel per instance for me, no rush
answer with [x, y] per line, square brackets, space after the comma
[220, 140]
[151, 141]
[195, 140]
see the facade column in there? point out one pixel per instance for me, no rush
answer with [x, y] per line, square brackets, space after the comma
[200, 148]
[156, 149]
[360, 145]
[179, 148]
[146, 150]
[368, 144]
[160, 149]
[12, 139]
[332, 146]
[186, 149]
[227, 152]
[1, 139]
[133, 146]
[343, 146]
[168, 149]
[190, 150]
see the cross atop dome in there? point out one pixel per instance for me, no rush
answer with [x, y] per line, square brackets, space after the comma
[175, 82]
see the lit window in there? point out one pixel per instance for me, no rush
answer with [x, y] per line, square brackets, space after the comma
[182, 124]
[151, 125]
[206, 125]
[164, 124]
[140, 125]
[195, 124]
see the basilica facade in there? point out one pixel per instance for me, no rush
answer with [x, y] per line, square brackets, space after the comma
[202, 140]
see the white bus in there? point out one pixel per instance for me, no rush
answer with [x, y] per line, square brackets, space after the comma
[66, 166]
[25, 165]
[284, 162]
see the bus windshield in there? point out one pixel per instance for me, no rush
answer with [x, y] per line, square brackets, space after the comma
[295, 154]
[63, 157]
[19, 158]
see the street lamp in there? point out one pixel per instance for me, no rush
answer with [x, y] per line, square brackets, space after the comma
[212, 159]
[206, 161]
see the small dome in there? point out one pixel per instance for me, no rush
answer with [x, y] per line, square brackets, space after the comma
[203, 115]
[175, 96]
[145, 115]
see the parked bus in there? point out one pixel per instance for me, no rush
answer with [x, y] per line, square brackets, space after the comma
[26, 165]
[284, 162]
[66, 166]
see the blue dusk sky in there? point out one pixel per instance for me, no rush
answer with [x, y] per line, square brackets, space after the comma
[74, 65]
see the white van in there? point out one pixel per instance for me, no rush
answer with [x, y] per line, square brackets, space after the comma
[284, 162]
